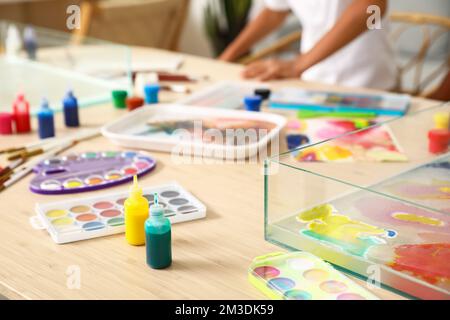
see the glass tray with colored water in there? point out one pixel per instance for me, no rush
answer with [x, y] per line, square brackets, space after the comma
[89, 171]
[384, 219]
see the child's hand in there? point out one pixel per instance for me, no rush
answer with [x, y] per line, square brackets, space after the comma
[265, 70]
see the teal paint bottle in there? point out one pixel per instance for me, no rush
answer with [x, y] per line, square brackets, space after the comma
[158, 237]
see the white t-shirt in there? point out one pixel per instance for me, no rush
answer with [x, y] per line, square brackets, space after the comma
[367, 61]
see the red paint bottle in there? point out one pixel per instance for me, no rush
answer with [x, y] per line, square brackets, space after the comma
[21, 112]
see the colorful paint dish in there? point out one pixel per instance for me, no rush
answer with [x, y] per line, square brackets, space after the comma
[186, 209]
[120, 202]
[281, 283]
[56, 213]
[62, 221]
[72, 183]
[141, 165]
[51, 185]
[149, 197]
[116, 222]
[85, 218]
[103, 205]
[266, 272]
[302, 276]
[89, 171]
[129, 154]
[113, 175]
[129, 170]
[170, 194]
[333, 286]
[297, 295]
[315, 275]
[110, 213]
[90, 155]
[350, 296]
[92, 226]
[110, 154]
[94, 180]
[80, 209]
[178, 201]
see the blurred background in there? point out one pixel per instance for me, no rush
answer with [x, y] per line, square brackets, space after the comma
[205, 27]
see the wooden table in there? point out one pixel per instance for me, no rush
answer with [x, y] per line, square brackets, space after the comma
[211, 256]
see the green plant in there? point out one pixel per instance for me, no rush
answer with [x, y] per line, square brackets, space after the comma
[223, 20]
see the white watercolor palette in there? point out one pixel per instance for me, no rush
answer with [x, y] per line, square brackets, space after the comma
[86, 218]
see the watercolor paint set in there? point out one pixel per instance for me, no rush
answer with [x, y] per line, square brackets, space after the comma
[185, 130]
[302, 276]
[98, 216]
[89, 171]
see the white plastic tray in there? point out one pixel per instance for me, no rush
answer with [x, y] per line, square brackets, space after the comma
[127, 131]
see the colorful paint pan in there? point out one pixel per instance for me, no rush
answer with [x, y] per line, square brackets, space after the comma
[89, 171]
[85, 218]
[302, 276]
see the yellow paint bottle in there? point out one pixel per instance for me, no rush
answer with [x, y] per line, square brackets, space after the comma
[136, 212]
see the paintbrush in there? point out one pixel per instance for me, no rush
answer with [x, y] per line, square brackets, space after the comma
[6, 171]
[28, 146]
[28, 153]
[26, 168]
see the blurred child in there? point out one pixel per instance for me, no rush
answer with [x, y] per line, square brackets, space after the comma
[337, 46]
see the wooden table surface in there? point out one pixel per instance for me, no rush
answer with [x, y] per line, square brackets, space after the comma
[210, 256]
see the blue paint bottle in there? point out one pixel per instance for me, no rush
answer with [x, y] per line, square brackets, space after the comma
[70, 108]
[30, 42]
[252, 103]
[46, 121]
[151, 93]
[158, 237]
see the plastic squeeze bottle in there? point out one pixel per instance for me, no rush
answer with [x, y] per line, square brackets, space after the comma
[136, 212]
[158, 238]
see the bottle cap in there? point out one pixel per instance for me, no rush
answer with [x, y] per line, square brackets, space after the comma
[252, 103]
[441, 120]
[151, 93]
[438, 140]
[6, 123]
[264, 93]
[134, 103]
[156, 209]
[21, 104]
[70, 99]
[44, 104]
[135, 190]
[119, 97]
[152, 87]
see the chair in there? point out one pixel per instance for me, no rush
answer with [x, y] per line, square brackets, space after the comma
[433, 28]
[152, 23]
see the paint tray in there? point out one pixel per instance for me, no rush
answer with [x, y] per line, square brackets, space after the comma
[89, 171]
[198, 131]
[302, 276]
[85, 218]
